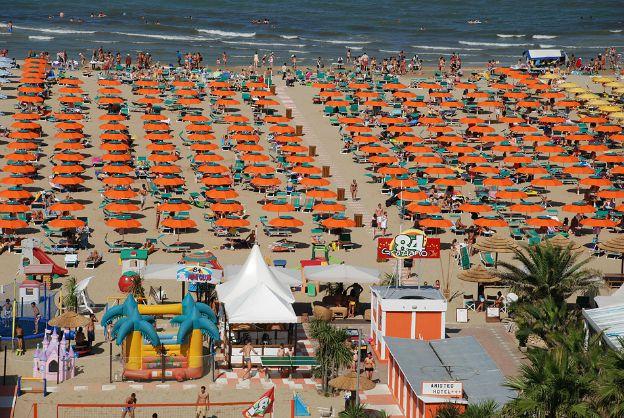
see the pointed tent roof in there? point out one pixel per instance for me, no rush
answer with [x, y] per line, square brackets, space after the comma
[256, 295]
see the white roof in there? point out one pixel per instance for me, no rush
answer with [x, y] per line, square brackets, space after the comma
[617, 298]
[610, 321]
[544, 53]
[341, 273]
[290, 277]
[256, 294]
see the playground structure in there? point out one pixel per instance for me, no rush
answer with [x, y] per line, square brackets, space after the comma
[149, 354]
[54, 361]
[36, 263]
[22, 295]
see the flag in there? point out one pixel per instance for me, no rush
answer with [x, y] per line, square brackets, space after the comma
[262, 406]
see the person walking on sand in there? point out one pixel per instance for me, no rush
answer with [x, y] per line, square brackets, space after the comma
[247, 350]
[129, 408]
[203, 403]
[382, 222]
[354, 190]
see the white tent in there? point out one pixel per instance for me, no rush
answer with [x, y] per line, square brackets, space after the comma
[256, 295]
[341, 273]
[290, 277]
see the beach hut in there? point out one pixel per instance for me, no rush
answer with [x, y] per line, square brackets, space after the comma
[133, 260]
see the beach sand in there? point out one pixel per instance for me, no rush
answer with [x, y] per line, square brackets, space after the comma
[319, 132]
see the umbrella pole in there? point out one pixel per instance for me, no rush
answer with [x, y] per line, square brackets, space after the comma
[357, 371]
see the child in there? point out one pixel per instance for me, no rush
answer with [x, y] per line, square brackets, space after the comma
[19, 334]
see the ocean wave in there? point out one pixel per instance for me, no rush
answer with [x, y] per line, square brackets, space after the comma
[166, 37]
[101, 41]
[262, 43]
[615, 30]
[389, 51]
[341, 42]
[41, 38]
[544, 36]
[227, 34]
[49, 30]
[546, 46]
[355, 48]
[289, 36]
[505, 35]
[296, 51]
[446, 48]
[492, 44]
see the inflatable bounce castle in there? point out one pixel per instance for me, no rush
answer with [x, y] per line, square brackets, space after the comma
[142, 346]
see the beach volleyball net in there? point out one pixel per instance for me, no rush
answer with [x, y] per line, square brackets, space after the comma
[164, 410]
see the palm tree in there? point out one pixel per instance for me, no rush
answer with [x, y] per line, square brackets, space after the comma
[354, 410]
[541, 271]
[485, 409]
[333, 351]
[70, 298]
[609, 394]
[547, 319]
[552, 385]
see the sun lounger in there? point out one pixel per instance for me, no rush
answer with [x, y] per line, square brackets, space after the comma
[92, 262]
[487, 259]
[177, 247]
[71, 260]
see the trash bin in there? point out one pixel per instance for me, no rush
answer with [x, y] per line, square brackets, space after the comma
[340, 192]
[311, 289]
[359, 220]
[325, 171]
[289, 113]
[298, 130]
[312, 150]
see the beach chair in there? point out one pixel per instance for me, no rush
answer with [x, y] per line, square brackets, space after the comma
[344, 241]
[176, 247]
[71, 260]
[469, 302]
[516, 234]
[486, 259]
[464, 258]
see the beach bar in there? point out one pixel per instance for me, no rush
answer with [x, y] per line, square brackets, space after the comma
[424, 376]
[417, 313]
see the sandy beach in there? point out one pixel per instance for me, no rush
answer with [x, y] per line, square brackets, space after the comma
[316, 131]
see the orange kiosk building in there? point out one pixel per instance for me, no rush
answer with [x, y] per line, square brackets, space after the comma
[424, 376]
[414, 312]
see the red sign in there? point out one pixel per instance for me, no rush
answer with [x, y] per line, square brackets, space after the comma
[431, 249]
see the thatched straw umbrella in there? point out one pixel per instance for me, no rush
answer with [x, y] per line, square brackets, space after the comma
[69, 319]
[614, 245]
[349, 381]
[496, 244]
[478, 274]
[562, 242]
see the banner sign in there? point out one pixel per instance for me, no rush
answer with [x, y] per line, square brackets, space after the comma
[412, 243]
[198, 274]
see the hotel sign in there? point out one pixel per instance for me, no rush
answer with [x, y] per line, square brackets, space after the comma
[412, 243]
[449, 389]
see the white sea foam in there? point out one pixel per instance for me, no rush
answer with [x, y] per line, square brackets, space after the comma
[289, 36]
[166, 37]
[544, 36]
[505, 35]
[492, 44]
[41, 38]
[446, 48]
[389, 51]
[49, 30]
[101, 41]
[296, 51]
[615, 30]
[227, 34]
[262, 43]
[546, 46]
[341, 42]
[355, 48]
